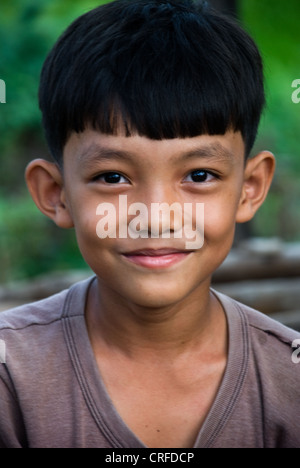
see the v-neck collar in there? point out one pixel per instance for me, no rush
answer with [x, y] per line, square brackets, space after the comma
[100, 405]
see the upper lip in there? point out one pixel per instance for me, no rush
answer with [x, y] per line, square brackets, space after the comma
[156, 252]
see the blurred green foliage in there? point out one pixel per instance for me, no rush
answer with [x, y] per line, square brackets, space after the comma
[28, 29]
[274, 25]
[29, 242]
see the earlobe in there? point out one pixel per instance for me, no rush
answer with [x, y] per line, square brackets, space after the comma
[258, 177]
[45, 184]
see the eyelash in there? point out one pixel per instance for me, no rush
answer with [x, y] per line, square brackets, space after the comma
[204, 173]
[100, 177]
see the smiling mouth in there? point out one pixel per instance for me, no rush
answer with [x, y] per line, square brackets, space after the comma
[160, 258]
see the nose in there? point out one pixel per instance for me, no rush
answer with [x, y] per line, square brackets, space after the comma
[166, 219]
[161, 215]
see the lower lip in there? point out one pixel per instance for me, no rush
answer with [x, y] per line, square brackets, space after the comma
[160, 261]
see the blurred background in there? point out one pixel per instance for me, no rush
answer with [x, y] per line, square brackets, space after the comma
[266, 251]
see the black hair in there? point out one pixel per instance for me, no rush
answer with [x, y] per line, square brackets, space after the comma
[162, 68]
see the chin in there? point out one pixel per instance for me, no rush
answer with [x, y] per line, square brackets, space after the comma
[158, 296]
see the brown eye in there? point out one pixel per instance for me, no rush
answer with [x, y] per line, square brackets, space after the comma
[199, 176]
[110, 178]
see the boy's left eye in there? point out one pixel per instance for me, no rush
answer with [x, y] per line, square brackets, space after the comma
[200, 175]
[111, 178]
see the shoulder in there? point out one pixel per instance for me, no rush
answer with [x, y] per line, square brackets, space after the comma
[28, 328]
[270, 389]
[258, 322]
[37, 313]
[273, 347]
[35, 333]
[66, 303]
[262, 324]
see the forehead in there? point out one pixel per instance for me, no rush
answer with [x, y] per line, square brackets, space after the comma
[90, 146]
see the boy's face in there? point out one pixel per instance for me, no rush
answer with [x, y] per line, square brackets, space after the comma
[208, 170]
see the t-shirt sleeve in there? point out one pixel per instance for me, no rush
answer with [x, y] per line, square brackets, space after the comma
[12, 433]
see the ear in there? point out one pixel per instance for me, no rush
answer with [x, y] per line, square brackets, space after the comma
[45, 184]
[258, 177]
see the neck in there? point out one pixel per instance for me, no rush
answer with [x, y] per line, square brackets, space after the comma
[137, 330]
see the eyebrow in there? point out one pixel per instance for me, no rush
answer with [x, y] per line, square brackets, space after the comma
[95, 152]
[214, 152]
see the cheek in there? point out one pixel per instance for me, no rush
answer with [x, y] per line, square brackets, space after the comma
[220, 219]
[85, 222]
[89, 226]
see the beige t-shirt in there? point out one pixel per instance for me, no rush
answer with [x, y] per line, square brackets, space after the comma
[52, 395]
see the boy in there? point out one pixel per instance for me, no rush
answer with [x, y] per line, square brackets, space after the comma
[149, 102]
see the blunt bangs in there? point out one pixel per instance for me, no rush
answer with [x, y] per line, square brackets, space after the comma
[162, 69]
